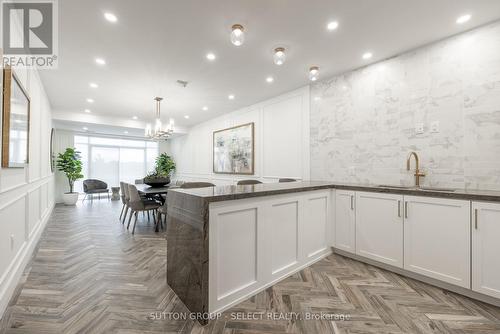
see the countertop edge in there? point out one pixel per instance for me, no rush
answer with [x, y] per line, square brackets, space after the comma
[459, 194]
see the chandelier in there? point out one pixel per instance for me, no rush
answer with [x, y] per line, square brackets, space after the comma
[159, 132]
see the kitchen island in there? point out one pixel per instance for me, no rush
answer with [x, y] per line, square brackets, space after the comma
[225, 244]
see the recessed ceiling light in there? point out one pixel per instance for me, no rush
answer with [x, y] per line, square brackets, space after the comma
[464, 18]
[231, 97]
[332, 25]
[269, 79]
[93, 85]
[205, 108]
[237, 35]
[110, 17]
[210, 56]
[279, 56]
[100, 61]
[90, 100]
[317, 98]
[186, 116]
[367, 55]
[85, 128]
[135, 117]
[125, 132]
[87, 111]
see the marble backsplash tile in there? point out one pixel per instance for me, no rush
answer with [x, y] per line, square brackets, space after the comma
[363, 122]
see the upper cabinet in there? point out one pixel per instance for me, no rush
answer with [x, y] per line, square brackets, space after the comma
[437, 238]
[486, 248]
[345, 220]
[379, 227]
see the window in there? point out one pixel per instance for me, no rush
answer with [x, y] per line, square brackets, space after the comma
[114, 159]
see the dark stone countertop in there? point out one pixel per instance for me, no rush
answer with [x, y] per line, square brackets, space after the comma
[232, 192]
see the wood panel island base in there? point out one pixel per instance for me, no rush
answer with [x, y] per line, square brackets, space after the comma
[225, 244]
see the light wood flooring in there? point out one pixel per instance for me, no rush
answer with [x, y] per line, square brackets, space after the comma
[90, 275]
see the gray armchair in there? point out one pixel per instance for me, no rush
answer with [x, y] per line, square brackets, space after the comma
[92, 187]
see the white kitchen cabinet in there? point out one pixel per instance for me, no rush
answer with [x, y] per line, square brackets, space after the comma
[486, 248]
[345, 220]
[379, 227]
[437, 238]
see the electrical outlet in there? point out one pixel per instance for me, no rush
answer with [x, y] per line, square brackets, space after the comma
[352, 171]
[419, 128]
[435, 127]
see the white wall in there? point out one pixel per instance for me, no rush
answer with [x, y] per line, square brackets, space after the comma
[281, 141]
[26, 194]
[363, 124]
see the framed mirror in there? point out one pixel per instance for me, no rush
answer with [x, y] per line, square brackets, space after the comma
[52, 154]
[15, 122]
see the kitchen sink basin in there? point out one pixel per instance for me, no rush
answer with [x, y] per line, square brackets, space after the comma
[417, 188]
[436, 189]
[396, 187]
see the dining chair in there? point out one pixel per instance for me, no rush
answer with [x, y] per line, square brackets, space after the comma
[190, 185]
[247, 182]
[138, 204]
[286, 180]
[127, 200]
[122, 197]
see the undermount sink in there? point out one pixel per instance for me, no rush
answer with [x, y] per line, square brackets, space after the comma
[396, 187]
[417, 188]
[436, 189]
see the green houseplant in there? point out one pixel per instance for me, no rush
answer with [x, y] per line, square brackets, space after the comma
[70, 164]
[164, 167]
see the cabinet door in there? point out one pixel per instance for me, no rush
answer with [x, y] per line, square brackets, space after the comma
[486, 248]
[345, 220]
[379, 227]
[437, 238]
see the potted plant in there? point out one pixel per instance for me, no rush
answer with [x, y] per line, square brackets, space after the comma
[164, 166]
[70, 164]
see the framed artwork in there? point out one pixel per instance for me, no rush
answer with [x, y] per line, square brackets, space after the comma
[233, 150]
[15, 122]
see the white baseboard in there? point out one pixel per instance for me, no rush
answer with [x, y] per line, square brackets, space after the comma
[11, 278]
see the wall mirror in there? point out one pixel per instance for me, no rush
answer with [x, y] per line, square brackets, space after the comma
[15, 122]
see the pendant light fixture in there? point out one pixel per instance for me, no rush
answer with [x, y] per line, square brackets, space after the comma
[314, 73]
[279, 56]
[159, 132]
[237, 35]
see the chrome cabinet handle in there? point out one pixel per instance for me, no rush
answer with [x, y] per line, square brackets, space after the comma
[352, 202]
[406, 209]
[475, 218]
[399, 209]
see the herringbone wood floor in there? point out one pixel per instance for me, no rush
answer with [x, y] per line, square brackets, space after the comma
[89, 275]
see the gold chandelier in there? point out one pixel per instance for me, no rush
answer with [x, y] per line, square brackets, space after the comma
[159, 132]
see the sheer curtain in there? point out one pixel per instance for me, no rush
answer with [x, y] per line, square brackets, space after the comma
[115, 159]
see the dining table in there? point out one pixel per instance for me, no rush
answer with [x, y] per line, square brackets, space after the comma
[155, 193]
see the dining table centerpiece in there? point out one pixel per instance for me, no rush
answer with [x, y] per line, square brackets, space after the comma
[160, 176]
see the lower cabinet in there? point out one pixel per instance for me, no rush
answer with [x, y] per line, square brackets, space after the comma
[486, 248]
[379, 227]
[345, 221]
[437, 238]
[258, 241]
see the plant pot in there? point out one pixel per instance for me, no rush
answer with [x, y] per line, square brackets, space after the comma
[157, 181]
[70, 198]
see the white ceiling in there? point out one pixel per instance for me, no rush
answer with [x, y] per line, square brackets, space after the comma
[156, 42]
